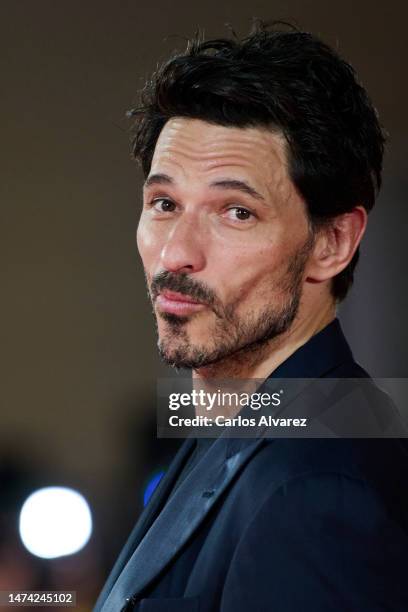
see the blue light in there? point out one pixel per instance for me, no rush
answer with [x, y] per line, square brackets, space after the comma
[151, 486]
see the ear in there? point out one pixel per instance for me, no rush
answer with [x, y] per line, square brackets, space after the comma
[335, 244]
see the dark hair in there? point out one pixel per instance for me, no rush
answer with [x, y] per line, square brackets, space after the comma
[286, 80]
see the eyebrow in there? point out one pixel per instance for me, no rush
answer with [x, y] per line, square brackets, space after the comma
[238, 185]
[158, 179]
[235, 184]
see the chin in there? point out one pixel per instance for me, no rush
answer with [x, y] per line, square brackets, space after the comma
[176, 359]
[183, 354]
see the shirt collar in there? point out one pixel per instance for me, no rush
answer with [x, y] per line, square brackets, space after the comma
[320, 354]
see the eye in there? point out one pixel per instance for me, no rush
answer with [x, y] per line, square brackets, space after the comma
[238, 213]
[163, 205]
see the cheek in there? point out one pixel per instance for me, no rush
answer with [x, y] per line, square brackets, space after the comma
[244, 273]
[148, 244]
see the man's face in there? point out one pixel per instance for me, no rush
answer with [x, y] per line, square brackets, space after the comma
[224, 239]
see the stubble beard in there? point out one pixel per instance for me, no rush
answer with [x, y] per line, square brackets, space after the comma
[232, 336]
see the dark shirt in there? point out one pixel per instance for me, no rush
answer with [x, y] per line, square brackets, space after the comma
[199, 450]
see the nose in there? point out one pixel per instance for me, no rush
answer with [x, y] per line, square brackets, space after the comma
[183, 250]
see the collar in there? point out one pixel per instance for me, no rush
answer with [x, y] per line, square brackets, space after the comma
[318, 356]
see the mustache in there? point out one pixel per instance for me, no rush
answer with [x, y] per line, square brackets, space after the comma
[184, 284]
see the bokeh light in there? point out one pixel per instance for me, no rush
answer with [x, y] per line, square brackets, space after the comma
[151, 486]
[55, 521]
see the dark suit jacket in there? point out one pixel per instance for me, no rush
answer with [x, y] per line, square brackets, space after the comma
[280, 525]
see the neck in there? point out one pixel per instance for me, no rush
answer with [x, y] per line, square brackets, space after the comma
[260, 361]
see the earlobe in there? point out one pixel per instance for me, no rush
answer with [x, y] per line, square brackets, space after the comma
[335, 244]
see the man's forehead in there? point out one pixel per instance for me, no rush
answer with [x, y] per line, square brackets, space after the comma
[193, 152]
[211, 145]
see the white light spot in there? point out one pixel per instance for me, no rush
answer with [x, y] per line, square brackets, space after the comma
[55, 521]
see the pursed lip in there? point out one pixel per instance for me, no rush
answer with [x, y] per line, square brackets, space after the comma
[177, 303]
[174, 296]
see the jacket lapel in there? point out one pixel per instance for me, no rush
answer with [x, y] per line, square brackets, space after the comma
[147, 517]
[180, 517]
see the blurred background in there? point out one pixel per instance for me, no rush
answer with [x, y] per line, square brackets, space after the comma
[78, 358]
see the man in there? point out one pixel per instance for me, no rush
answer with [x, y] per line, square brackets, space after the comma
[262, 159]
